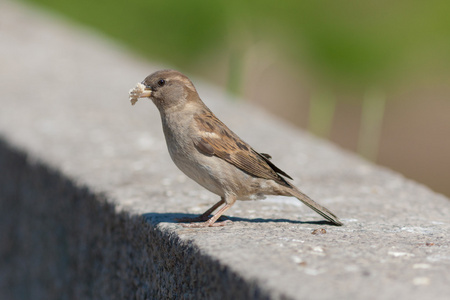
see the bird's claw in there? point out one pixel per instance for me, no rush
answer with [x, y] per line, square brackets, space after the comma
[206, 224]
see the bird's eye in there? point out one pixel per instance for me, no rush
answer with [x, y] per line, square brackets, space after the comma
[161, 82]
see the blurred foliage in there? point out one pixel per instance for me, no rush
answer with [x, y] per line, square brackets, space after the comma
[170, 30]
[359, 44]
[365, 43]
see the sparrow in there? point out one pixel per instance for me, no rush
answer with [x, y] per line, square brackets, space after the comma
[208, 152]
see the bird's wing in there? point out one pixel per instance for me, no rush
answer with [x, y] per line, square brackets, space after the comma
[217, 139]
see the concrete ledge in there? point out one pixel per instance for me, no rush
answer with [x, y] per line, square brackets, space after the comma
[60, 240]
[88, 194]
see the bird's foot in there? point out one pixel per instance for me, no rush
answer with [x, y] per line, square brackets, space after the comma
[193, 220]
[207, 224]
[201, 218]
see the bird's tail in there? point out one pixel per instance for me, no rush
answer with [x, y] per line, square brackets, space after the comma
[324, 212]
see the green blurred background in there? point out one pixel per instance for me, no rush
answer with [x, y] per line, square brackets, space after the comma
[372, 76]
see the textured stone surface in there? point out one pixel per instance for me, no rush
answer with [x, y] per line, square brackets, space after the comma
[63, 97]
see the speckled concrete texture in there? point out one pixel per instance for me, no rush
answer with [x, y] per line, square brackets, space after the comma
[89, 195]
[60, 241]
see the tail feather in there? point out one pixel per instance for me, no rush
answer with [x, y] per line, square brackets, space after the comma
[324, 212]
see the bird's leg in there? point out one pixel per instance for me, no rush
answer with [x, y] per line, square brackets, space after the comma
[205, 215]
[212, 221]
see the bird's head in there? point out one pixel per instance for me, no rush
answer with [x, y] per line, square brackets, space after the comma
[168, 89]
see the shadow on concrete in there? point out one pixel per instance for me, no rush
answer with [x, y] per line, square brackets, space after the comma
[156, 218]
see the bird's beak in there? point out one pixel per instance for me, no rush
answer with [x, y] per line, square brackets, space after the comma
[147, 92]
[139, 91]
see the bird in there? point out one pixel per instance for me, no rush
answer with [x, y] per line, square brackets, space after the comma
[208, 152]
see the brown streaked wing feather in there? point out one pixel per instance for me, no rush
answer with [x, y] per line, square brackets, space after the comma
[267, 156]
[217, 139]
[204, 147]
[275, 168]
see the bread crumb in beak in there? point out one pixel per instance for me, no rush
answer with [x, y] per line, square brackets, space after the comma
[139, 91]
